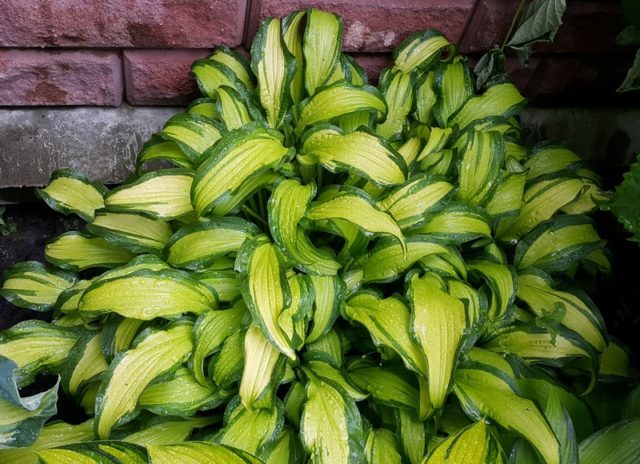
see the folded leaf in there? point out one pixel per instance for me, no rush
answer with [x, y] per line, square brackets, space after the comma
[71, 192]
[438, 324]
[131, 372]
[164, 194]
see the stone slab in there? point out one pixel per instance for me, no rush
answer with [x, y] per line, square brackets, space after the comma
[103, 143]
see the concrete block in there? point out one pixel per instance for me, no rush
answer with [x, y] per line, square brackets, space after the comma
[122, 23]
[371, 26]
[101, 143]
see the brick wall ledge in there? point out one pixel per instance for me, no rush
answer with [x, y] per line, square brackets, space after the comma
[103, 142]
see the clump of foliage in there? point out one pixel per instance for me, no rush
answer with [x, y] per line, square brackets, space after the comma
[332, 273]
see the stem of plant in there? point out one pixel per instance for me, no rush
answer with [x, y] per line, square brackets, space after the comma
[512, 25]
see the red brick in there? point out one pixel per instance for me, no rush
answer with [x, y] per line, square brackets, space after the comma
[373, 64]
[160, 77]
[589, 26]
[488, 25]
[579, 79]
[375, 25]
[122, 23]
[39, 77]
[521, 75]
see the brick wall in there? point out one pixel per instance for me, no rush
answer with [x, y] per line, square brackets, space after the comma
[104, 53]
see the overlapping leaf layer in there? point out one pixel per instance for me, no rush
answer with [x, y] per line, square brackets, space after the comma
[328, 272]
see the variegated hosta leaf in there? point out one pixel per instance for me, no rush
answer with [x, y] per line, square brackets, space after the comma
[286, 449]
[131, 372]
[387, 383]
[616, 443]
[540, 202]
[550, 159]
[398, 93]
[164, 194]
[388, 322]
[148, 294]
[327, 291]
[419, 50]
[480, 167]
[250, 430]
[331, 426]
[32, 285]
[95, 452]
[340, 99]
[265, 289]
[136, 232]
[86, 361]
[483, 391]
[381, 447]
[263, 368]
[197, 245]
[473, 444]
[457, 224]
[502, 282]
[499, 100]
[536, 344]
[411, 202]
[438, 324]
[213, 72]
[195, 451]
[575, 312]
[76, 252]
[321, 47]
[193, 133]
[240, 156]
[358, 153]
[388, 259]
[454, 87]
[35, 347]
[22, 417]
[293, 41]
[355, 206]
[234, 109]
[180, 395]
[71, 192]
[287, 207]
[274, 67]
[557, 244]
[507, 198]
[236, 63]
[209, 333]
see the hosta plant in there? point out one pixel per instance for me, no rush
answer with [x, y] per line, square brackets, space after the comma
[330, 272]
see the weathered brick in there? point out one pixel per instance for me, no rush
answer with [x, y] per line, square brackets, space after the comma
[373, 64]
[584, 80]
[122, 23]
[521, 75]
[160, 77]
[47, 77]
[374, 25]
[589, 26]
